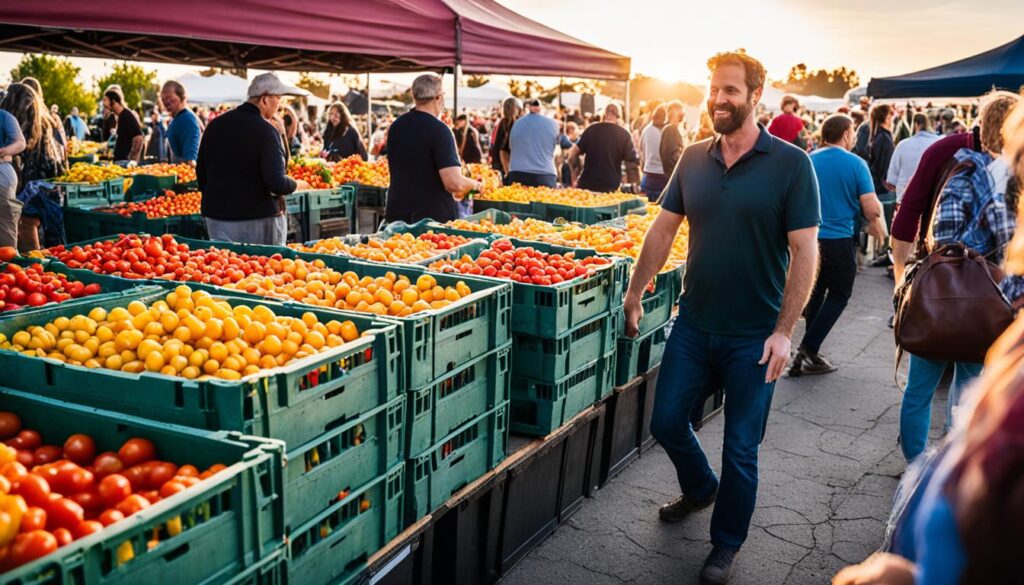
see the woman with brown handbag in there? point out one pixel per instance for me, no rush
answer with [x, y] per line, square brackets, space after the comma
[971, 209]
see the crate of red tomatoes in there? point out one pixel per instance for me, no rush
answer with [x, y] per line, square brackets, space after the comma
[91, 496]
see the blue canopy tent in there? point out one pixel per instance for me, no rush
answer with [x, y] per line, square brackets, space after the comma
[1000, 68]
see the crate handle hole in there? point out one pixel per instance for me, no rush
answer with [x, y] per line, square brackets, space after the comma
[465, 333]
[178, 552]
[456, 461]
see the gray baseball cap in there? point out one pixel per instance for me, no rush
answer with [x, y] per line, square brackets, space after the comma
[269, 84]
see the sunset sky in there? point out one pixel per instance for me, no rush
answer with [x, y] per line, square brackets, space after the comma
[673, 39]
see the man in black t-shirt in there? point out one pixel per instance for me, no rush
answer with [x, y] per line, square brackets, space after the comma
[425, 168]
[129, 130]
[605, 146]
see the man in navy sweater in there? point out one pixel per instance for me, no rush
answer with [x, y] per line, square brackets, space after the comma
[241, 169]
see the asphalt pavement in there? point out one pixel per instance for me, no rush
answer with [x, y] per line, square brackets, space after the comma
[829, 466]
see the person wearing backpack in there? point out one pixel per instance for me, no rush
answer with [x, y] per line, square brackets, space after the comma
[972, 209]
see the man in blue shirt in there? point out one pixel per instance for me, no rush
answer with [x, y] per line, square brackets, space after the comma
[847, 191]
[752, 205]
[184, 131]
[75, 126]
[532, 140]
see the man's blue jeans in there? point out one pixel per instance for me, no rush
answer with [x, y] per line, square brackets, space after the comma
[916, 411]
[692, 360]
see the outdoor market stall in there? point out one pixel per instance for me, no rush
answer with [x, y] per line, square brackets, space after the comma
[381, 391]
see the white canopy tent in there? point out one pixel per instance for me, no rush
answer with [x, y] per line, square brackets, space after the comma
[572, 99]
[216, 89]
[483, 97]
[772, 100]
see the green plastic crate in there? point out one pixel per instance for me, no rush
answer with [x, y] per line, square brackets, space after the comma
[336, 543]
[455, 461]
[433, 342]
[538, 408]
[331, 211]
[458, 397]
[344, 458]
[85, 158]
[658, 304]
[143, 184]
[369, 195]
[84, 195]
[510, 207]
[626, 207]
[84, 224]
[295, 403]
[638, 356]
[586, 215]
[550, 311]
[233, 521]
[551, 359]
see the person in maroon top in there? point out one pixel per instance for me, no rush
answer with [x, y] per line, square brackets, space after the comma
[787, 125]
[918, 199]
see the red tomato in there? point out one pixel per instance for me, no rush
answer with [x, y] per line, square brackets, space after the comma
[113, 489]
[136, 451]
[107, 463]
[26, 457]
[47, 454]
[63, 536]
[33, 519]
[133, 504]
[172, 487]
[30, 546]
[90, 500]
[80, 448]
[65, 513]
[137, 476]
[160, 472]
[34, 489]
[28, 439]
[36, 299]
[87, 527]
[10, 425]
[109, 516]
[13, 471]
[189, 470]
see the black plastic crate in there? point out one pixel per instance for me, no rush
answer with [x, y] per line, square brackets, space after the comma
[622, 429]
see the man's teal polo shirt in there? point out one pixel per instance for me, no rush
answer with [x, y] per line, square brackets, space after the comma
[739, 220]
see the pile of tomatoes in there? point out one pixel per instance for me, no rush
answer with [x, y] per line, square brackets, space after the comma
[143, 257]
[311, 170]
[32, 286]
[399, 248]
[184, 172]
[52, 495]
[166, 205]
[526, 265]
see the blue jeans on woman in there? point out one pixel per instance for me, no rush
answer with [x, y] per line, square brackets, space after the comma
[691, 362]
[916, 411]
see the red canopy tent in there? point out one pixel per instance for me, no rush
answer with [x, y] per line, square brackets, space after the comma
[480, 36]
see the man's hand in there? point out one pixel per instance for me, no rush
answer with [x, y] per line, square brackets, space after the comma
[634, 312]
[776, 355]
[301, 185]
[878, 569]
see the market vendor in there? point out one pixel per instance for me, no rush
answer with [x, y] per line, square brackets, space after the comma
[426, 174]
[184, 131]
[241, 169]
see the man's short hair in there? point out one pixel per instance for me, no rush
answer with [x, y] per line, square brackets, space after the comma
[786, 100]
[114, 96]
[754, 72]
[674, 106]
[833, 128]
[462, 118]
[995, 108]
[426, 87]
[177, 88]
[613, 109]
[921, 120]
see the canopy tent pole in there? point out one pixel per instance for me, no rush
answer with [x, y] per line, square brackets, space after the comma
[458, 65]
[625, 115]
[561, 81]
[369, 113]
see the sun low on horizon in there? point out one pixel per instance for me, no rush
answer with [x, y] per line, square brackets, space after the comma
[673, 40]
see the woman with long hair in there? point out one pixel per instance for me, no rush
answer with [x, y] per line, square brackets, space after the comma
[43, 157]
[880, 146]
[963, 520]
[500, 148]
[49, 118]
[340, 138]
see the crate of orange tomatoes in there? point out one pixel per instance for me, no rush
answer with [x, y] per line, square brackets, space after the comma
[166, 213]
[139, 500]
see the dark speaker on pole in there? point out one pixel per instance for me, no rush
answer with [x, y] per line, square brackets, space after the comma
[587, 103]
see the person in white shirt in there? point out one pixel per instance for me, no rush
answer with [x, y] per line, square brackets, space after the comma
[654, 179]
[908, 154]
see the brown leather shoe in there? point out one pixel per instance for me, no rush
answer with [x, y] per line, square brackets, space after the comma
[678, 509]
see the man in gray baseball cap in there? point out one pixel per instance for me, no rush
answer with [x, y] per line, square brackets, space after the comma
[241, 169]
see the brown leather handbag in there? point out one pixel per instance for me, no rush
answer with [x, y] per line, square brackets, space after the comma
[950, 308]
